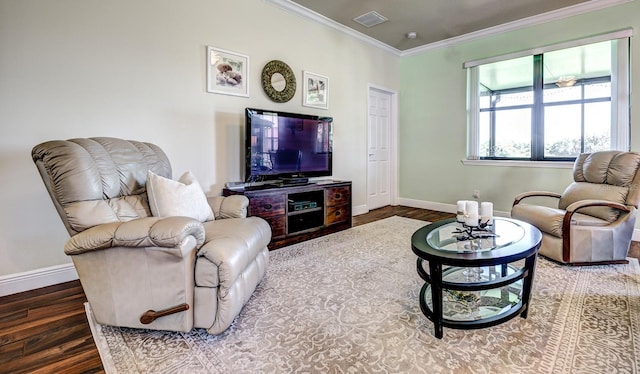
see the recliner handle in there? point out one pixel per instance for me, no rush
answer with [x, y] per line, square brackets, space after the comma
[151, 315]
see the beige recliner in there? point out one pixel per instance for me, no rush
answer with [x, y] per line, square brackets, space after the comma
[137, 270]
[595, 215]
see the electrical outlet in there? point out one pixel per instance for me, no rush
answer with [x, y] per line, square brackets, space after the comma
[476, 194]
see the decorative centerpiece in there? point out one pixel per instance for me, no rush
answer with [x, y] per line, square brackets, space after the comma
[474, 225]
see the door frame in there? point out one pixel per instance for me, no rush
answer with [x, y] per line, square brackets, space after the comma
[393, 142]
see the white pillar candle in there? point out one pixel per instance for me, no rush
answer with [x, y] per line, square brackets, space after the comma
[486, 210]
[461, 210]
[472, 207]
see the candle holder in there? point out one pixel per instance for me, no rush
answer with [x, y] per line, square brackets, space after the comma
[482, 230]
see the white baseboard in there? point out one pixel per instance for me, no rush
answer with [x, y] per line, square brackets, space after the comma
[360, 209]
[30, 280]
[450, 208]
[441, 207]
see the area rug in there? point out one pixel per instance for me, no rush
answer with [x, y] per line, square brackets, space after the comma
[348, 303]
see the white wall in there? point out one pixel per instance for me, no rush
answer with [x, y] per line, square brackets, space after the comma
[136, 70]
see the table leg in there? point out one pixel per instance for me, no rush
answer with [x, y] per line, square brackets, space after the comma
[530, 266]
[504, 291]
[436, 297]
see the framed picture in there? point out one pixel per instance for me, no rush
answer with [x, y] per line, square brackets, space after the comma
[227, 72]
[315, 90]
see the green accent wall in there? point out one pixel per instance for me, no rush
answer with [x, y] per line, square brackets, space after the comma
[433, 120]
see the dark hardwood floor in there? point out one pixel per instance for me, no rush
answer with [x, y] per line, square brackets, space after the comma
[46, 330]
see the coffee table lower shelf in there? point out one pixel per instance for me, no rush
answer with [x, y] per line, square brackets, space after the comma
[472, 297]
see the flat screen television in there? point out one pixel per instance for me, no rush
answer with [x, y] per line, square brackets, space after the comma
[285, 146]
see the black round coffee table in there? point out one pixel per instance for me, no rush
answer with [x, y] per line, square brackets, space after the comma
[475, 279]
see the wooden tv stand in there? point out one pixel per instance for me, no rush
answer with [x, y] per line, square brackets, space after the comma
[298, 213]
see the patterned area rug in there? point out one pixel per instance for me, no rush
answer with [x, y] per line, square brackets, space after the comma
[348, 303]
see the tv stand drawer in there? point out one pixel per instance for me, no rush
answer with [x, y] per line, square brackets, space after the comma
[278, 226]
[267, 205]
[337, 214]
[338, 195]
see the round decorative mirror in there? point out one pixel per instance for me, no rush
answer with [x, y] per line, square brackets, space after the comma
[278, 81]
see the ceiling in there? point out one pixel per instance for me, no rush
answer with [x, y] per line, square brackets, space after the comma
[435, 20]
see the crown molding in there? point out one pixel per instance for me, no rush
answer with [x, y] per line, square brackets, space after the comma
[298, 9]
[573, 10]
[554, 15]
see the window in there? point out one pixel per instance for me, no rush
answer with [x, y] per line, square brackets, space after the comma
[551, 104]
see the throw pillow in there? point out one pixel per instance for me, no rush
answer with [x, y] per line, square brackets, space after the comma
[183, 197]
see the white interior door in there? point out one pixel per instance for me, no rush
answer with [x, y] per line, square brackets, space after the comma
[379, 149]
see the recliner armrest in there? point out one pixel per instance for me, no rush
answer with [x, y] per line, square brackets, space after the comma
[234, 206]
[589, 203]
[167, 232]
[524, 195]
[573, 208]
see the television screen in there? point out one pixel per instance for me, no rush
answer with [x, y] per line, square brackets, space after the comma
[284, 145]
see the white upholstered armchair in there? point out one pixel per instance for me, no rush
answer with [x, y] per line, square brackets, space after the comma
[595, 215]
[193, 262]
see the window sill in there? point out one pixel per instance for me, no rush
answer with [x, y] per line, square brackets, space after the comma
[526, 164]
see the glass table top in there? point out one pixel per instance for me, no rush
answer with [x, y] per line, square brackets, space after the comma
[455, 237]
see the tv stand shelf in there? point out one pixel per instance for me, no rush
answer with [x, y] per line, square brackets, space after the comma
[297, 213]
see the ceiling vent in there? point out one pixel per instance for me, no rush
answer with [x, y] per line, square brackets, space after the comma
[371, 19]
